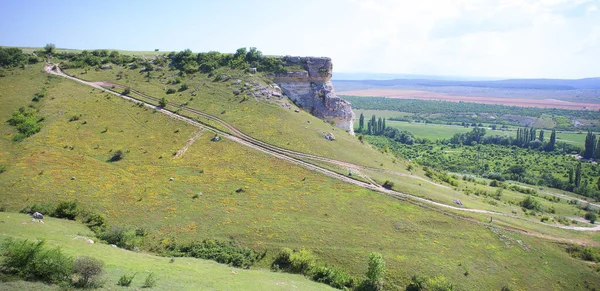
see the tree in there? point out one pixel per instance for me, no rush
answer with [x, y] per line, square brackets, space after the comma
[578, 175]
[163, 102]
[550, 145]
[376, 270]
[590, 145]
[541, 137]
[49, 49]
[384, 127]
[597, 152]
[361, 122]
[598, 184]
[571, 176]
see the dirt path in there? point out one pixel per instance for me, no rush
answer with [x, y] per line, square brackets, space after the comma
[288, 155]
[189, 143]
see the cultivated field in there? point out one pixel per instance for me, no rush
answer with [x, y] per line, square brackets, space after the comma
[427, 95]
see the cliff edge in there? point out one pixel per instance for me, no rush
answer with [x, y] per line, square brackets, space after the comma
[307, 84]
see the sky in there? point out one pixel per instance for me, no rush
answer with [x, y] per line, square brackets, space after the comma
[477, 38]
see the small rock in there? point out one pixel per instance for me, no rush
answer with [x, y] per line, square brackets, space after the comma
[114, 246]
[73, 178]
[216, 138]
[329, 136]
[296, 110]
[236, 82]
[89, 241]
[236, 92]
[171, 179]
[253, 70]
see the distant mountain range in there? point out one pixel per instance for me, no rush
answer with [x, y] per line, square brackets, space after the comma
[437, 81]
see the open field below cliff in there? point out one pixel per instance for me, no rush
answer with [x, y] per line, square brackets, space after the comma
[428, 95]
[280, 204]
[434, 132]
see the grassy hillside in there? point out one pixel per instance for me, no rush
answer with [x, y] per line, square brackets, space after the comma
[281, 205]
[182, 274]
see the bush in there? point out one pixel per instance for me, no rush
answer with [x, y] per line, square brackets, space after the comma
[66, 210]
[89, 269]
[591, 216]
[26, 122]
[126, 91]
[117, 156]
[171, 91]
[162, 102]
[122, 237]
[31, 261]
[584, 253]
[150, 281]
[388, 185]
[183, 87]
[531, 204]
[96, 222]
[222, 252]
[420, 283]
[45, 209]
[125, 280]
[303, 262]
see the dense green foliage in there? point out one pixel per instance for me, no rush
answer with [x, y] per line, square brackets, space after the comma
[458, 112]
[33, 261]
[304, 262]
[11, 57]
[422, 283]
[26, 122]
[220, 251]
[499, 162]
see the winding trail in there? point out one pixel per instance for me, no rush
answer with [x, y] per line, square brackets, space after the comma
[292, 156]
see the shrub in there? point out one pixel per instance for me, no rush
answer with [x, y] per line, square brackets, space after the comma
[45, 209]
[303, 262]
[183, 87]
[171, 91]
[591, 216]
[31, 261]
[531, 204]
[96, 222]
[126, 91]
[2, 169]
[333, 277]
[67, 210]
[150, 281]
[222, 252]
[89, 269]
[122, 237]
[117, 156]
[420, 283]
[584, 253]
[388, 185]
[162, 102]
[26, 121]
[125, 280]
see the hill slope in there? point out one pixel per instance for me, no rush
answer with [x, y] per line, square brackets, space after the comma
[182, 274]
[279, 204]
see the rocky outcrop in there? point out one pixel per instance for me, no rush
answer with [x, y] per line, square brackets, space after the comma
[307, 84]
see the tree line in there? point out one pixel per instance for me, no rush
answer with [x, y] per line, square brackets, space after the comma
[447, 111]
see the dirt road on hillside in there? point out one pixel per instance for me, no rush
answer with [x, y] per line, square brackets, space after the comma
[285, 154]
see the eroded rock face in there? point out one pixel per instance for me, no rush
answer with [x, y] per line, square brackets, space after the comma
[307, 84]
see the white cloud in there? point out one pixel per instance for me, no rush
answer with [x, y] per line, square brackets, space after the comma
[505, 38]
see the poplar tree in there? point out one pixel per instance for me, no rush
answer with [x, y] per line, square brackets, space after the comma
[541, 138]
[361, 122]
[590, 145]
[578, 175]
